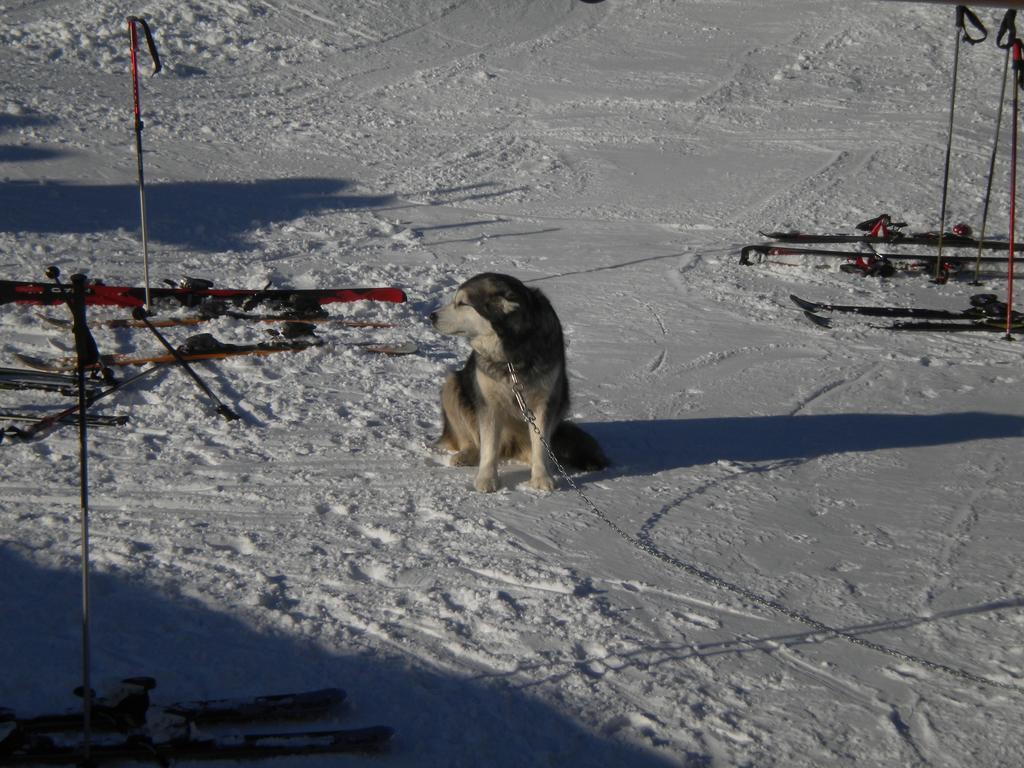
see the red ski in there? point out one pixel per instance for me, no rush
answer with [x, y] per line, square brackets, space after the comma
[19, 292]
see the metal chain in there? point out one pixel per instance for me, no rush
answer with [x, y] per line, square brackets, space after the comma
[822, 631]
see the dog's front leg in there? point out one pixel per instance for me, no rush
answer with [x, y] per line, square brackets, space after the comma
[540, 474]
[490, 444]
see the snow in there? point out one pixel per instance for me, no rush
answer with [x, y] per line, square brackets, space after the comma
[615, 155]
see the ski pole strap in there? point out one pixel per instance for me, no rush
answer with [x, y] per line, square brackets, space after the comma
[85, 344]
[1007, 30]
[150, 43]
[964, 13]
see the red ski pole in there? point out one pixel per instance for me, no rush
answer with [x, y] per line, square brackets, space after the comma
[133, 44]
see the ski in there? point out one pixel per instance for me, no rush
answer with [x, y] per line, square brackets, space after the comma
[760, 252]
[931, 239]
[18, 749]
[993, 325]
[304, 704]
[934, 326]
[206, 347]
[129, 711]
[174, 322]
[882, 230]
[983, 305]
[120, 735]
[62, 416]
[192, 293]
[200, 347]
[90, 419]
[29, 379]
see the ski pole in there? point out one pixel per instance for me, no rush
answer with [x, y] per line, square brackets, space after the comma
[87, 354]
[962, 14]
[1007, 34]
[140, 314]
[1018, 83]
[133, 45]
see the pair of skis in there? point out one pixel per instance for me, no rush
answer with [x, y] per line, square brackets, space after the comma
[986, 313]
[121, 733]
[300, 309]
[880, 231]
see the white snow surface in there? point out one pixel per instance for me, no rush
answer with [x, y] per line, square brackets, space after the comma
[616, 156]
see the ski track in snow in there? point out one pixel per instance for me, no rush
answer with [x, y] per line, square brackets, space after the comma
[615, 156]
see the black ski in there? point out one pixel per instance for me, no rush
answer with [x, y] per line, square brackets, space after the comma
[304, 704]
[991, 325]
[760, 252]
[91, 419]
[119, 727]
[931, 239]
[984, 305]
[26, 379]
[131, 707]
[41, 750]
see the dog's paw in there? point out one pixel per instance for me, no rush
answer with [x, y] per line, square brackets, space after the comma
[543, 483]
[469, 457]
[486, 483]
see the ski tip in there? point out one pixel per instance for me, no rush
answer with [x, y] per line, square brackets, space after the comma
[56, 322]
[818, 320]
[35, 362]
[808, 306]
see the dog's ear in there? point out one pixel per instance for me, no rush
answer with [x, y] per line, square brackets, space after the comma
[498, 306]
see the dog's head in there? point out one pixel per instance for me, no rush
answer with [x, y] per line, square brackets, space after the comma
[488, 304]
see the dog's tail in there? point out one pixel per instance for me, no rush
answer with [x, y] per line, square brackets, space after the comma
[575, 448]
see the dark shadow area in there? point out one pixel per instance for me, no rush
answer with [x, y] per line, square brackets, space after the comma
[213, 215]
[27, 119]
[197, 650]
[642, 447]
[22, 154]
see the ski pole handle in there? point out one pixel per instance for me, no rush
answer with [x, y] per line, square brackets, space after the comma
[964, 13]
[1007, 30]
[150, 43]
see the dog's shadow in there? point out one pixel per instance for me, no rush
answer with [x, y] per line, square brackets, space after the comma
[649, 447]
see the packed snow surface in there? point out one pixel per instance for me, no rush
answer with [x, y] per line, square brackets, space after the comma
[616, 156]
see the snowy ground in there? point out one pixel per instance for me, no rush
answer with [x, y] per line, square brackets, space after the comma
[616, 156]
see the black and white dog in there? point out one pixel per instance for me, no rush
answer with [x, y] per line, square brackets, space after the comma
[506, 324]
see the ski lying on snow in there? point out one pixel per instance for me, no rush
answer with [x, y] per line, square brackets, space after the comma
[27, 378]
[934, 326]
[23, 292]
[122, 737]
[986, 324]
[131, 709]
[174, 322]
[90, 419]
[40, 750]
[199, 348]
[764, 250]
[984, 306]
[304, 704]
[949, 239]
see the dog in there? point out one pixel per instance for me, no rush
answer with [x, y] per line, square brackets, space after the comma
[509, 327]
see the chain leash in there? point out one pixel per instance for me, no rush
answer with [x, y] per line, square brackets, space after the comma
[821, 631]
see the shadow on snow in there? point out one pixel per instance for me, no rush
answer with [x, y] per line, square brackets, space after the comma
[199, 651]
[641, 447]
[210, 215]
